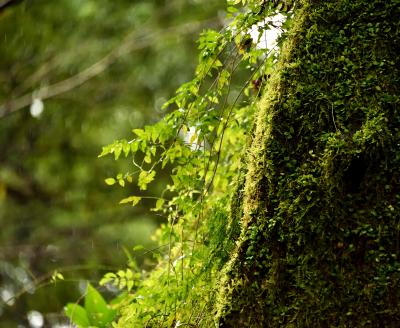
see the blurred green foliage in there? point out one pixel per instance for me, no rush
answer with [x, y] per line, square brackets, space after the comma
[100, 68]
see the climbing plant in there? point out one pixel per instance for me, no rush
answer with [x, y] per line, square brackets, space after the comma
[201, 142]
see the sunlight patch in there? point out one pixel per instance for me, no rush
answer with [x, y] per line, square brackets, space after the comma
[267, 39]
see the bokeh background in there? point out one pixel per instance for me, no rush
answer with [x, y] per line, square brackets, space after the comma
[74, 76]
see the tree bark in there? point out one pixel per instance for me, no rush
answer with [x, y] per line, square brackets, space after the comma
[319, 243]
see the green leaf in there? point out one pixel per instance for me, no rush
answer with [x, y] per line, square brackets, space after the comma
[126, 148]
[160, 202]
[140, 133]
[147, 158]
[133, 199]
[117, 151]
[129, 274]
[56, 276]
[98, 312]
[108, 277]
[129, 285]
[232, 9]
[110, 181]
[138, 248]
[145, 178]
[105, 151]
[77, 314]
[134, 146]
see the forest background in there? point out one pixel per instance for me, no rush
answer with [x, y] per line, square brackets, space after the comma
[287, 220]
[75, 75]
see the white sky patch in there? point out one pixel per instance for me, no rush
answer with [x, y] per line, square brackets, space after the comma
[191, 139]
[268, 37]
[35, 319]
[7, 295]
[82, 286]
[36, 107]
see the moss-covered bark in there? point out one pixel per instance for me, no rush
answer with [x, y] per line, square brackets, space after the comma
[320, 210]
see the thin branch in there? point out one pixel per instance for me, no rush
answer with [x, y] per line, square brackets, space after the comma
[131, 43]
[8, 3]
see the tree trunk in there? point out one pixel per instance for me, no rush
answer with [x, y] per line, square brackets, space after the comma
[319, 243]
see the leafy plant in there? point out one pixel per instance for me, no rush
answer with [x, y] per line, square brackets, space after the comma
[95, 312]
[200, 141]
[122, 279]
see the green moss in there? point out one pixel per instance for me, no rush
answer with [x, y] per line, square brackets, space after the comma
[319, 239]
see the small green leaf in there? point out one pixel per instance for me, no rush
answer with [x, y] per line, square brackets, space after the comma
[126, 148]
[134, 146]
[231, 9]
[117, 151]
[133, 199]
[121, 182]
[138, 248]
[77, 314]
[108, 277]
[122, 284]
[160, 202]
[129, 285]
[105, 151]
[140, 133]
[129, 274]
[145, 178]
[98, 312]
[56, 276]
[110, 181]
[147, 158]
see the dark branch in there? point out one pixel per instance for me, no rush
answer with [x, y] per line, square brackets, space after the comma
[8, 3]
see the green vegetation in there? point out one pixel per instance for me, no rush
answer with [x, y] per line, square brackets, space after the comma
[309, 236]
[101, 68]
[282, 203]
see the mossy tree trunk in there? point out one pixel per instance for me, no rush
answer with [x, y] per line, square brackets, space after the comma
[320, 212]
